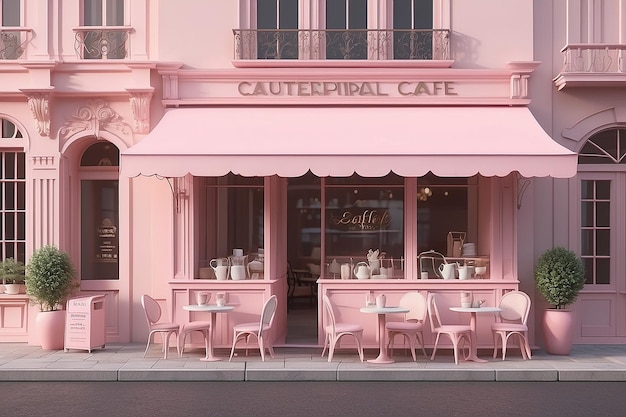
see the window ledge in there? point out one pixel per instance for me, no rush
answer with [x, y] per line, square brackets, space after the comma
[310, 63]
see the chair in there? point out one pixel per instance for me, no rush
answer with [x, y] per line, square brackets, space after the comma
[412, 328]
[258, 329]
[334, 331]
[152, 312]
[296, 289]
[201, 326]
[457, 333]
[512, 320]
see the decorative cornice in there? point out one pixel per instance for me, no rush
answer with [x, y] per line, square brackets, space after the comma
[39, 103]
[95, 116]
[140, 104]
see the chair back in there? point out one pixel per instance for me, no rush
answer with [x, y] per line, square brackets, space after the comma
[416, 303]
[269, 310]
[433, 313]
[515, 307]
[151, 309]
[291, 279]
[330, 314]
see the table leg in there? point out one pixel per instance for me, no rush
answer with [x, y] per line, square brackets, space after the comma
[473, 356]
[382, 355]
[209, 344]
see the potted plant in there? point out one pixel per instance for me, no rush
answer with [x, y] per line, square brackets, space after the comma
[50, 280]
[559, 277]
[12, 273]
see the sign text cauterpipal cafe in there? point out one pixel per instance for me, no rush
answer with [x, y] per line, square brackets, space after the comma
[356, 219]
[363, 89]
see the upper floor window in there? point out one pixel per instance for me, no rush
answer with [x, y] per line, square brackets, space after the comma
[108, 37]
[11, 40]
[342, 29]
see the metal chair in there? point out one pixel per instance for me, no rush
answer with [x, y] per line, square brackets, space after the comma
[335, 331]
[152, 312]
[412, 328]
[512, 320]
[258, 329]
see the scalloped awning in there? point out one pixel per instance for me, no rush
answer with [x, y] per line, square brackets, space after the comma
[340, 141]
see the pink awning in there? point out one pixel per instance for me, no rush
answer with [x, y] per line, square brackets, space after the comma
[369, 141]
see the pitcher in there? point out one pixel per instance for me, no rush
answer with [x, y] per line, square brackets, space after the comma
[220, 267]
[362, 270]
[238, 265]
[447, 271]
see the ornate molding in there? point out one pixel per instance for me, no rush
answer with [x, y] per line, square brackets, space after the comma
[39, 103]
[95, 116]
[140, 105]
[43, 162]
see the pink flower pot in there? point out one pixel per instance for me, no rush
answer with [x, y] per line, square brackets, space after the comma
[558, 330]
[51, 328]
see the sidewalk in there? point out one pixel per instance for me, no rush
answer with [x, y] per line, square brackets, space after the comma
[125, 362]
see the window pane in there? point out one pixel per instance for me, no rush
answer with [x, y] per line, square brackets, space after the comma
[603, 190]
[586, 243]
[11, 12]
[93, 12]
[603, 271]
[99, 229]
[602, 214]
[603, 242]
[231, 216]
[402, 14]
[266, 14]
[423, 14]
[115, 12]
[589, 270]
[335, 14]
[586, 214]
[288, 16]
[357, 18]
[586, 189]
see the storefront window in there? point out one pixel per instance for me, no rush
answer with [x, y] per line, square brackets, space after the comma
[230, 216]
[443, 206]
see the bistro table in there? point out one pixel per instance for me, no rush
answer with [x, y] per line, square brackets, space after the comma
[213, 309]
[473, 355]
[382, 318]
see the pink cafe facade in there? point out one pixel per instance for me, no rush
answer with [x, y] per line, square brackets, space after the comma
[148, 139]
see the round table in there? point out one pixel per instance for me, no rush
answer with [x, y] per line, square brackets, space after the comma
[382, 318]
[473, 356]
[213, 309]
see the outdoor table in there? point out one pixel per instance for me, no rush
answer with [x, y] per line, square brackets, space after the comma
[473, 355]
[213, 309]
[382, 318]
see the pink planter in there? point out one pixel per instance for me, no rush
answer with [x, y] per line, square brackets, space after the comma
[558, 331]
[51, 328]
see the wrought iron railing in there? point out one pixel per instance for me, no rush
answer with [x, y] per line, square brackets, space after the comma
[594, 58]
[13, 41]
[353, 44]
[102, 42]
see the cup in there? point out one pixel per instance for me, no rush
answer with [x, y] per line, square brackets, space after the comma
[238, 272]
[202, 298]
[424, 275]
[220, 299]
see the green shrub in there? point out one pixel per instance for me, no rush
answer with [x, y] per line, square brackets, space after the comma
[559, 276]
[12, 271]
[50, 277]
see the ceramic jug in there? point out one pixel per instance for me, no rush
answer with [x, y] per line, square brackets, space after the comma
[464, 272]
[447, 271]
[238, 265]
[362, 270]
[220, 267]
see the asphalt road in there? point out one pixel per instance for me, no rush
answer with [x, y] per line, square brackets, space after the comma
[304, 399]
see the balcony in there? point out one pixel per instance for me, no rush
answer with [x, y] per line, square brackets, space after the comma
[592, 65]
[102, 42]
[13, 41]
[342, 45]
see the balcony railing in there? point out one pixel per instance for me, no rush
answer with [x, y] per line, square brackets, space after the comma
[341, 44]
[102, 42]
[13, 40]
[594, 58]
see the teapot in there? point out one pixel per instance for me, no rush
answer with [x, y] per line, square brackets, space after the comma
[362, 270]
[220, 267]
[447, 271]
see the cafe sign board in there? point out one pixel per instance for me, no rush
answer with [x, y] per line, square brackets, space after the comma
[359, 219]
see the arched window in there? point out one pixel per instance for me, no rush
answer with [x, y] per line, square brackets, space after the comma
[606, 147]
